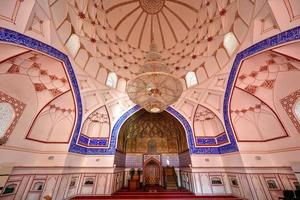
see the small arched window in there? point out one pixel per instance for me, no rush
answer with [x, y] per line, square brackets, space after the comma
[191, 79]
[112, 80]
[230, 43]
[297, 109]
[7, 115]
[73, 44]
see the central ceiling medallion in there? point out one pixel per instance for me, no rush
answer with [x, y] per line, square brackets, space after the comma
[152, 6]
[154, 88]
[131, 21]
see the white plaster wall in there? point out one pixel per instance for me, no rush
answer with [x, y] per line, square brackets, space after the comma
[25, 158]
[252, 159]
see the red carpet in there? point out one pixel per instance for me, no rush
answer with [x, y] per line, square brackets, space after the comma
[176, 194]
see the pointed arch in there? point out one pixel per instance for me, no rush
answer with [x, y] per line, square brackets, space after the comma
[95, 130]
[281, 38]
[55, 117]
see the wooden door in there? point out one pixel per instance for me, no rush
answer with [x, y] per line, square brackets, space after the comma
[152, 173]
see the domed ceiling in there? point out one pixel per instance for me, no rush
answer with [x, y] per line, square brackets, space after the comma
[136, 22]
[115, 35]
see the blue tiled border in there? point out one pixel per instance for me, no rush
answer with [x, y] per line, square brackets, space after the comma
[212, 141]
[16, 38]
[13, 37]
[281, 38]
[93, 142]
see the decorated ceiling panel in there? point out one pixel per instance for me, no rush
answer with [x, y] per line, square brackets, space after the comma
[46, 74]
[55, 121]
[95, 131]
[38, 76]
[208, 128]
[116, 34]
[253, 119]
[55, 109]
[264, 93]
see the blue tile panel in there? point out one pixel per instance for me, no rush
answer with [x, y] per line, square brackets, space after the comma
[92, 142]
[212, 141]
[98, 142]
[205, 141]
[83, 140]
[221, 139]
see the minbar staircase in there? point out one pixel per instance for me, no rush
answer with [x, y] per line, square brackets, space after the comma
[170, 178]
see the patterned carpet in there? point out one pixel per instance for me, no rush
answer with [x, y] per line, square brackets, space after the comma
[154, 194]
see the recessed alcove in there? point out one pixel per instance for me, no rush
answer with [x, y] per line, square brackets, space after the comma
[150, 142]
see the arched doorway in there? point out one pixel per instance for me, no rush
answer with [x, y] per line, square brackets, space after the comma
[151, 142]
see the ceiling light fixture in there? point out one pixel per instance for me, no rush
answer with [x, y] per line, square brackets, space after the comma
[154, 88]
